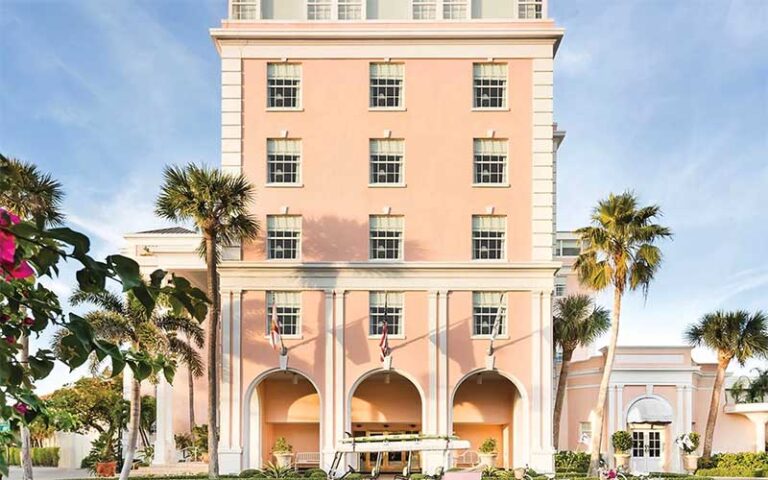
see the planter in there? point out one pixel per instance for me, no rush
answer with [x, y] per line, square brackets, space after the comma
[519, 473]
[204, 457]
[690, 463]
[106, 469]
[283, 460]
[622, 461]
[488, 459]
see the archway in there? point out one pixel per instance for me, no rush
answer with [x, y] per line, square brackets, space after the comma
[486, 405]
[649, 418]
[386, 403]
[282, 404]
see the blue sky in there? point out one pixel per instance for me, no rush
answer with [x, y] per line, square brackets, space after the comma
[669, 99]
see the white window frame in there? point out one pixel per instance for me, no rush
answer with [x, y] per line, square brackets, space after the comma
[489, 299]
[296, 74]
[386, 147]
[490, 147]
[387, 71]
[342, 4]
[237, 7]
[319, 5]
[394, 300]
[288, 147]
[527, 5]
[450, 5]
[392, 221]
[490, 74]
[419, 4]
[273, 227]
[285, 299]
[478, 228]
[587, 431]
[560, 289]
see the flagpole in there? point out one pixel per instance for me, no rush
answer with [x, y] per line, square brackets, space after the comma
[496, 324]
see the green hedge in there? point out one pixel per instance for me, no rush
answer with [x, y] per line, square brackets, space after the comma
[744, 464]
[41, 456]
[729, 472]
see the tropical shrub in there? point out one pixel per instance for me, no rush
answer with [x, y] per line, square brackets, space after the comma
[744, 464]
[251, 473]
[622, 441]
[282, 446]
[41, 456]
[272, 470]
[569, 461]
[488, 446]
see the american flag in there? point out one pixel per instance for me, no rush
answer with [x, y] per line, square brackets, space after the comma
[274, 334]
[384, 342]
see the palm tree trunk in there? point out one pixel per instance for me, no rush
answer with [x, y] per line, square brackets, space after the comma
[597, 421]
[191, 380]
[133, 429]
[714, 404]
[213, 351]
[26, 446]
[560, 395]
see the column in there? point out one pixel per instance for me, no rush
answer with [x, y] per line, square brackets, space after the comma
[225, 372]
[437, 413]
[431, 427]
[230, 451]
[620, 406]
[326, 422]
[165, 446]
[236, 380]
[340, 399]
[443, 396]
[689, 408]
[679, 428]
[759, 419]
[541, 457]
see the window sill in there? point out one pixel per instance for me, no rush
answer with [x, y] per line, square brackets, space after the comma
[391, 337]
[284, 260]
[387, 109]
[279, 109]
[387, 185]
[283, 185]
[489, 260]
[385, 260]
[490, 185]
[489, 109]
[488, 337]
[290, 337]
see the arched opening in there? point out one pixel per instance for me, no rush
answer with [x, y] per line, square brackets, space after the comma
[386, 403]
[649, 419]
[488, 405]
[283, 404]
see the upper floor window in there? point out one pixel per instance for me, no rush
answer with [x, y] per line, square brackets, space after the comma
[529, 9]
[387, 85]
[559, 289]
[283, 161]
[454, 9]
[488, 237]
[350, 9]
[567, 248]
[424, 9]
[286, 306]
[387, 162]
[488, 311]
[284, 85]
[490, 84]
[283, 237]
[490, 163]
[244, 9]
[319, 9]
[385, 307]
[386, 237]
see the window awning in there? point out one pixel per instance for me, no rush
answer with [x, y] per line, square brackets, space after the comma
[650, 410]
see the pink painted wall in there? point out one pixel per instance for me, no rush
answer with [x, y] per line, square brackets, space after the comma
[396, 402]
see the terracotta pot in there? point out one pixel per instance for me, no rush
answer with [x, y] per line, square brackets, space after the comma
[204, 457]
[622, 460]
[106, 469]
[690, 463]
[283, 459]
[488, 459]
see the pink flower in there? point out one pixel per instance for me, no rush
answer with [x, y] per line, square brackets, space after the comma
[23, 270]
[8, 250]
[7, 247]
[4, 318]
[28, 321]
[7, 218]
[10, 339]
[21, 408]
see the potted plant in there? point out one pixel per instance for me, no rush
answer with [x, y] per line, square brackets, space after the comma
[488, 453]
[622, 444]
[688, 443]
[283, 452]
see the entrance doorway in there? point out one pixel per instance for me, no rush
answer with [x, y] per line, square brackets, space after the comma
[647, 448]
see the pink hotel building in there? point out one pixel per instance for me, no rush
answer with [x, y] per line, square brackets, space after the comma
[404, 154]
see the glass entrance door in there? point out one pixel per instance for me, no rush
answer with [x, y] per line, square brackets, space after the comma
[647, 448]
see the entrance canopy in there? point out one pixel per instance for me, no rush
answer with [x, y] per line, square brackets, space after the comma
[401, 443]
[650, 410]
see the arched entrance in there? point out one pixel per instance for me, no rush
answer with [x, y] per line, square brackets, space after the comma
[282, 404]
[649, 419]
[382, 403]
[489, 405]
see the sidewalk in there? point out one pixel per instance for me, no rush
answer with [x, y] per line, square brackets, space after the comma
[50, 473]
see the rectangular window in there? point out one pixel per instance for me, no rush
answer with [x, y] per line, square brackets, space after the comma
[490, 80]
[392, 304]
[386, 162]
[529, 9]
[284, 85]
[486, 307]
[244, 10]
[490, 165]
[386, 237]
[585, 432]
[488, 237]
[350, 9]
[283, 161]
[454, 9]
[283, 237]
[287, 305]
[424, 9]
[319, 9]
[559, 289]
[387, 85]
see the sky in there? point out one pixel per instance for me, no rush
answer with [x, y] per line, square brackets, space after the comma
[667, 99]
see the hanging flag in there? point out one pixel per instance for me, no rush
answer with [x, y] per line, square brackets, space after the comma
[496, 328]
[274, 334]
[384, 342]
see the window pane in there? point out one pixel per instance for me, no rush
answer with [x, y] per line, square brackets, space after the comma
[288, 308]
[529, 9]
[386, 234]
[454, 9]
[490, 164]
[283, 161]
[386, 161]
[424, 9]
[488, 237]
[486, 306]
[386, 85]
[283, 85]
[392, 304]
[350, 9]
[283, 237]
[319, 9]
[490, 81]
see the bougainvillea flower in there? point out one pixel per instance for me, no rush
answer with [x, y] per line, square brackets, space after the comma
[21, 408]
[7, 247]
[8, 250]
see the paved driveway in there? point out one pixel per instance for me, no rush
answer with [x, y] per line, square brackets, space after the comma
[50, 473]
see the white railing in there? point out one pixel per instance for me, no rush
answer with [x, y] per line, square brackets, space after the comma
[468, 458]
[307, 459]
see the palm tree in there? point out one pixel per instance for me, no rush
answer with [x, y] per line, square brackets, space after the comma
[578, 322]
[619, 251]
[37, 197]
[732, 335]
[217, 204]
[125, 321]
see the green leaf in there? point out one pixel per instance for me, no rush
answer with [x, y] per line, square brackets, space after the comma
[142, 370]
[40, 367]
[90, 280]
[142, 295]
[169, 372]
[127, 269]
[156, 277]
[79, 241]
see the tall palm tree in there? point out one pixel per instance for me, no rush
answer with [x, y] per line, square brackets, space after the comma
[125, 321]
[619, 251]
[733, 335]
[36, 197]
[578, 322]
[217, 204]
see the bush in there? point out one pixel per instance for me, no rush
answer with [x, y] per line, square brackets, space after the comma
[568, 461]
[488, 446]
[729, 472]
[41, 456]
[744, 464]
[315, 473]
[251, 473]
[417, 476]
[622, 441]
